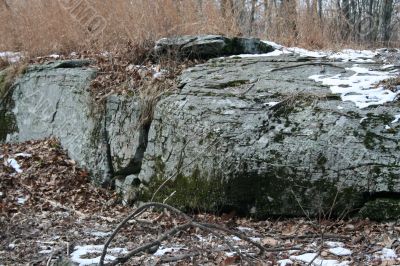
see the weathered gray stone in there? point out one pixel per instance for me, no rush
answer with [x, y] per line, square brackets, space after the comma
[222, 144]
[54, 100]
[128, 188]
[208, 46]
[381, 209]
[221, 141]
[126, 138]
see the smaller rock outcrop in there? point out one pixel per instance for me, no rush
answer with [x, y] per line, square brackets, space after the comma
[209, 46]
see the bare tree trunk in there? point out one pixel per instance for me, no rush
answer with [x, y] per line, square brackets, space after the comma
[314, 8]
[386, 18]
[200, 6]
[320, 9]
[346, 14]
[5, 4]
[289, 10]
[252, 16]
[266, 9]
[226, 7]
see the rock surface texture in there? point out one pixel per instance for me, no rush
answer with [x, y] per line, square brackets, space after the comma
[53, 100]
[269, 142]
[208, 46]
[261, 135]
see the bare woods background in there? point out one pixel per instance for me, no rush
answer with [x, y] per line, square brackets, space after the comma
[44, 26]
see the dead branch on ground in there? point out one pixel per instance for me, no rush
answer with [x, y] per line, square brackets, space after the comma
[189, 223]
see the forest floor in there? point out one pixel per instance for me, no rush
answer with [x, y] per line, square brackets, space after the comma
[50, 214]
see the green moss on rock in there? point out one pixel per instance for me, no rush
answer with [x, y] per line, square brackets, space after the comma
[233, 83]
[189, 192]
[381, 209]
[372, 140]
[7, 123]
[7, 118]
[281, 191]
[333, 97]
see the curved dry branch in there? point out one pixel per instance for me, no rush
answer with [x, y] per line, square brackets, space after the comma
[147, 246]
[241, 236]
[137, 212]
[213, 229]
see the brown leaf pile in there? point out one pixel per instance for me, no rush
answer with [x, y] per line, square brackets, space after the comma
[47, 174]
[51, 209]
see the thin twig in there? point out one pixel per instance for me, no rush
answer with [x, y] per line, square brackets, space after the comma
[137, 212]
[231, 247]
[211, 228]
[241, 236]
[179, 257]
[156, 242]
[327, 236]
[319, 251]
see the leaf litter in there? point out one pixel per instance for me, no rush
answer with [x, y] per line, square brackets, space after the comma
[51, 214]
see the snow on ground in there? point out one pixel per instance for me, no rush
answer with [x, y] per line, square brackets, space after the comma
[359, 87]
[396, 119]
[164, 250]
[11, 57]
[23, 154]
[387, 253]
[359, 56]
[285, 262]
[100, 234]
[14, 164]
[244, 229]
[86, 255]
[271, 104]
[334, 244]
[22, 200]
[339, 251]
[316, 260]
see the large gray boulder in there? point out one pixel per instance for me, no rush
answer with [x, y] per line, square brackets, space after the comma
[53, 100]
[225, 141]
[208, 46]
[257, 135]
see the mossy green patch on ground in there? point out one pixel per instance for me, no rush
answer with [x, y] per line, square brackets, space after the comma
[381, 209]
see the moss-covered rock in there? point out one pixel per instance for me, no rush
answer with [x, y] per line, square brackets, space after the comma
[209, 46]
[381, 209]
[276, 145]
[252, 194]
[8, 123]
[7, 118]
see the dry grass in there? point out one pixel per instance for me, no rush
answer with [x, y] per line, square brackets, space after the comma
[8, 77]
[4, 63]
[42, 27]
